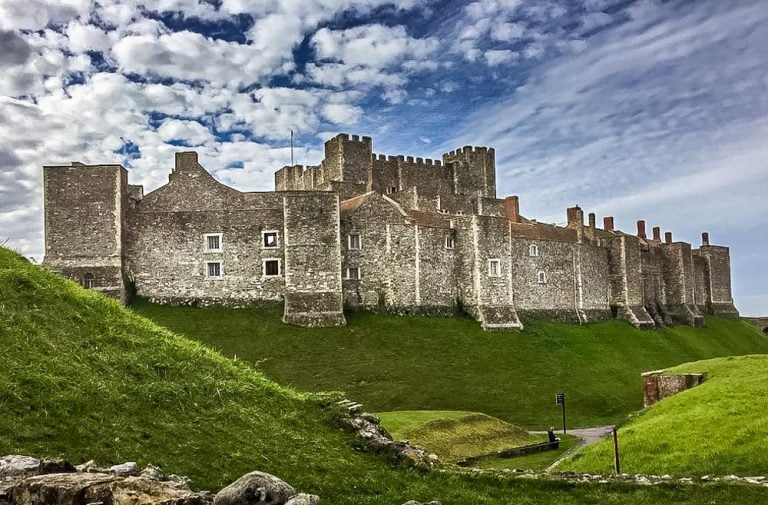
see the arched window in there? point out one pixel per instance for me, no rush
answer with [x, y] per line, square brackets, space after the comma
[89, 281]
[542, 277]
[533, 250]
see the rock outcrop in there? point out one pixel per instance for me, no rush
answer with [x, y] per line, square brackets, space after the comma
[373, 437]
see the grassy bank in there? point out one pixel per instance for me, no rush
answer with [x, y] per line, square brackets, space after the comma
[456, 435]
[421, 363]
[717, 428]
[84, 378]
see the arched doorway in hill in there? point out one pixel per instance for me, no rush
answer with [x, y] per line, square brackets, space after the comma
[89, 281]
[765, 330]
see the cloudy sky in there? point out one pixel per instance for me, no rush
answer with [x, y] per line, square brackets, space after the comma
[638, 109]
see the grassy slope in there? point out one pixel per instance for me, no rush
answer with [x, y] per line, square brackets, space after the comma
[719, 427]
[81, 377]
[456, 435]
[420, 363]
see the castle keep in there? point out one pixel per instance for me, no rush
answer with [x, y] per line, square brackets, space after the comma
[362, 230]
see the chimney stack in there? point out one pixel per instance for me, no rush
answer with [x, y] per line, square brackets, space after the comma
[705, 238]
[641, 228]
[668, 237]
[592, 220]
[575, 216]
[512, 208]
[657, 234]
[608, 223]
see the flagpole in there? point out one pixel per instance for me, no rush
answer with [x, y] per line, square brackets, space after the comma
[291, 146]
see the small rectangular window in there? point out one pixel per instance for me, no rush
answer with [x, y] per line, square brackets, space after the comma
[269, 239]
[450, 242]
[354, 241]
[212, 242]
[353, 273]
[542, 277]
[271, 268]
[494, 268]
[213, 269]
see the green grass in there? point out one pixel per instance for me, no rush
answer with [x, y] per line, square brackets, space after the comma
[456, 435]
[427, 363]
[81, 378]
[535, 461]
[717, 428]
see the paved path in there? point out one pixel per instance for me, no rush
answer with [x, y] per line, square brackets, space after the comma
[588, 436]
[591, 435]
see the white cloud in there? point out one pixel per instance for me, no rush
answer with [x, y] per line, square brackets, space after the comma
[498, 56]
[507, 31]
[368, 56]
[340, 113]
[191, 132]
[87, 38]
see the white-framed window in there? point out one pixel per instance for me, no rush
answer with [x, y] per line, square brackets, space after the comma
[450, 242]
[533, 250]
[542, 277]
[391, 190]
[270, 239]
[494, 268]
[212, 242]
[272, 267]
[213, 269]
[89, 281]
[354, 273]
[354, 242]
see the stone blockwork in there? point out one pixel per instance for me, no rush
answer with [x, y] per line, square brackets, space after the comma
[362, 230]
[658, 385]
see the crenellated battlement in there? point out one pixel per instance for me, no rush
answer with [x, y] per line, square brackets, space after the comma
[467, 150]
[406, 159]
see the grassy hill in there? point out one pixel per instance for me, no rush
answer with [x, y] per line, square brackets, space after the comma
[456, 435]
[81, 377]
[422, 363]
[717, 428]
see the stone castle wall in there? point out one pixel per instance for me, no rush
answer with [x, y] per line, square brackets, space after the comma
[430, 237]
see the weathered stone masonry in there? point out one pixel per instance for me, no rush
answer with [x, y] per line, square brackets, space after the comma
[364, 230]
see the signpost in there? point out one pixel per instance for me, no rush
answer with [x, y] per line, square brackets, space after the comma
[560, 400]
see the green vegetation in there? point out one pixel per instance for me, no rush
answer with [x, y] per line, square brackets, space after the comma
[428, 363]
[535, 461]
[717, 428]
[456, 435]
[81, 377]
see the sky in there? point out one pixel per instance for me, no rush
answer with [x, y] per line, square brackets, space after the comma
[639, 109]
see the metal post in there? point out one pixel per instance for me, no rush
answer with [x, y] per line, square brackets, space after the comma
[616, 460]
[291, 146]
[564, 432]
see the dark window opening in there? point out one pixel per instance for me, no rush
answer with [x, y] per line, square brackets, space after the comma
[89, 281]
[271, 268]
[214, 269]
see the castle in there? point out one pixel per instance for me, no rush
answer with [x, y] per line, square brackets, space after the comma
[361, 230]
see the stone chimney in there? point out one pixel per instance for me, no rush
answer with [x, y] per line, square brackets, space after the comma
[668, 237]
[641, 229]
[512, 208]
[575, 216]
[592, 220]
[185, 159]
[705, 238]
[657, 234]
[608, 223]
